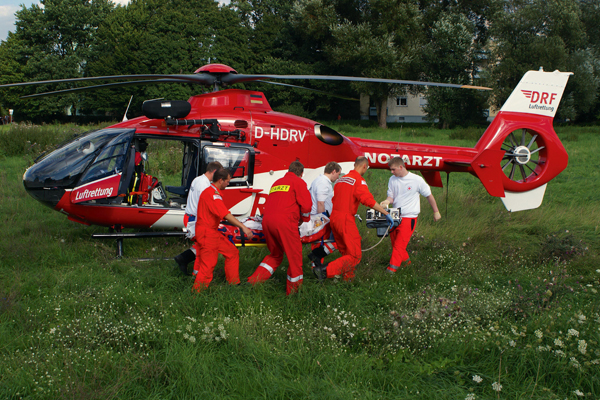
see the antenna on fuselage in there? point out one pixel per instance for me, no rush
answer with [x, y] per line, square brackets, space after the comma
[125, 115]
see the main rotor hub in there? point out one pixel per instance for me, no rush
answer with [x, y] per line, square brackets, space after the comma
[523, 155]
[216, 69]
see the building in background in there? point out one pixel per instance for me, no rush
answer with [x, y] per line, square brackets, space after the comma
[403, 109]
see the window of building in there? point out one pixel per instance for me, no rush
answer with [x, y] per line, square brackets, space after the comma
[402, 101]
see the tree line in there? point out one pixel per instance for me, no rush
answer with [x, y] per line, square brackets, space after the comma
[483, 42]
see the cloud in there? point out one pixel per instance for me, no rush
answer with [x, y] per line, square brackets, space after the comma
[7, 20]
[8, 11]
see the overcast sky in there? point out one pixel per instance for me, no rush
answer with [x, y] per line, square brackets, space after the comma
[9, 7]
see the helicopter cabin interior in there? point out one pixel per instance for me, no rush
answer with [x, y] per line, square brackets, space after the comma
[123, 168]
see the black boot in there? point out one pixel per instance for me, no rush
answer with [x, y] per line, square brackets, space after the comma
[320, 271]
[317, 254]
[184, 259]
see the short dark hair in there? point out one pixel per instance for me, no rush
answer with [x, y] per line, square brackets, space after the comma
[396, 162]
[221, 173]
[297, 168]
[332, 166]
[361, 160]
[213, 166]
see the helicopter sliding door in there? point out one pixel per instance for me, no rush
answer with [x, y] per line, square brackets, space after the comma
[239, 159]
[103, 178]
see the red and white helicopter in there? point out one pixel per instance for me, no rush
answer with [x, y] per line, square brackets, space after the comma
[99, 179]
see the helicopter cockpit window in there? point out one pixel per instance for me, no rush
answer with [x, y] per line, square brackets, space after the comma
[236, 159]
[64, 166]
[109, 161]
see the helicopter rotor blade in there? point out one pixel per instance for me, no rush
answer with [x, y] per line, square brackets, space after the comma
[204, 79]
[105, 86]
[237, 78]
[311, 89]
[220, 77]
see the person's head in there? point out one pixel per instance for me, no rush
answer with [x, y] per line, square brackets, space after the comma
[297, 168]
[361, 165]
[333, 171]
[397, 167]
[211, 168]
[142, 145]
[221, 178]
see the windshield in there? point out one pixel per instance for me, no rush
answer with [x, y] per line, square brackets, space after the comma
[109, 161]
[63, 167]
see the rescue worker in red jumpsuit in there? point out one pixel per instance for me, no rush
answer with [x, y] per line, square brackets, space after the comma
[211, 210]
[288, 204]
[349, 191]
[199, 184]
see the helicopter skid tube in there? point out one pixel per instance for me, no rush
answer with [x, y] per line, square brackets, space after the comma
[120, 236]
[135, 235]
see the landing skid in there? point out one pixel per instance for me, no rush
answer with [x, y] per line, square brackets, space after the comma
[116, 233]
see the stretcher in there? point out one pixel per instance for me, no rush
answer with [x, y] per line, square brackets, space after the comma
[317, 229]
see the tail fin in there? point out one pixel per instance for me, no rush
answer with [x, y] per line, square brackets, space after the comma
[538, 93]
[532, 154]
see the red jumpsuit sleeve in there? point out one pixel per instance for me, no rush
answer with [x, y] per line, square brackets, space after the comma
[363, 194]
[304, 200]
[217, 206]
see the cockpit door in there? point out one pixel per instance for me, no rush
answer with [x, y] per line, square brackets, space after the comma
[107, 174]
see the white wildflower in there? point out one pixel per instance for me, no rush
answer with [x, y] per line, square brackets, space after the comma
[582, 346]
[574, 362]
[512, 343]
[470, 396]
[496, 386]
[539, 334]
[477, 378]
[578, 393]
[558, 342]
[573, 332]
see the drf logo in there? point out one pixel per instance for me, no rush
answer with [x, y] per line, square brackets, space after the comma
[539, 97]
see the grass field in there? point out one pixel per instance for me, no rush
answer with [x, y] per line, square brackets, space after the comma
[495, 305]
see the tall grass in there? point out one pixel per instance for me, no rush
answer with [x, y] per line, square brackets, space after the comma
[494, 304]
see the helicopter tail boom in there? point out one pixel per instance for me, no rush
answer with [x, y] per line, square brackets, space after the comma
[517, 155]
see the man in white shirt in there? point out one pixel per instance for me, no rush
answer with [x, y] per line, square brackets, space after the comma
[196, 188]
[321, 189]
[321, 193]
[403, 192]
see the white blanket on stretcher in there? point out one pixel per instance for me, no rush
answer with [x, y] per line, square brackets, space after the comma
[316, 224]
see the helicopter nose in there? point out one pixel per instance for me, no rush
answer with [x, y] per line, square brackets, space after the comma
[48, 195]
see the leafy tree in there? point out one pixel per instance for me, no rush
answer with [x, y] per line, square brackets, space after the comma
[529, 34]
[277, 45]
[163, 37]
[55, 40]
[372, 38]
[453, 55]
[10, 72]
[586, 63]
